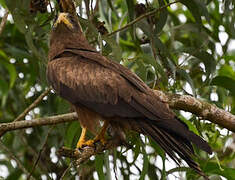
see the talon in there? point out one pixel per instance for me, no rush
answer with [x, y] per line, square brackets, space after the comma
[82, 140]
[101, 136]
[80, 144]
[103, 141]
[90, 143]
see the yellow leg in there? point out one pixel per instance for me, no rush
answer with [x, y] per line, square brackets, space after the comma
[82, 138]
[101, 136]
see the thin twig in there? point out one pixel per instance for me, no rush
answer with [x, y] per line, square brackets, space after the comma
[11, 155]
[194, 52]
[142, 17]
[39, 154]
[66, 170]
[33, 105]
[3, 22]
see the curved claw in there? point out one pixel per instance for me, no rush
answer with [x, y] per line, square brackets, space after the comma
[99, 138]
[82, 144]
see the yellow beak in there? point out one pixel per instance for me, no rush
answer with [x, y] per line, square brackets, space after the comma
[63, 18]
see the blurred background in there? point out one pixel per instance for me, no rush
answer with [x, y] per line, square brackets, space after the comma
[186, 48]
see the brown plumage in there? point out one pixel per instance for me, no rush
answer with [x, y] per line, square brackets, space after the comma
[101, 89]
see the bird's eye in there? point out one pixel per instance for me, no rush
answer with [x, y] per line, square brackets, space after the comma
[71, 18]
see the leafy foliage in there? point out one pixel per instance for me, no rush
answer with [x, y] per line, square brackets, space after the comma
[186, 48]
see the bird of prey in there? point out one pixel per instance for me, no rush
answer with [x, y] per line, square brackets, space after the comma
[101, 89]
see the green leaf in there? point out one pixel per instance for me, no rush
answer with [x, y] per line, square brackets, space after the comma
[99, 162]
[15, 174]
[161, 20]
[30, 43]
[141, 71]
[190, 125]
[116, 50]
[225, 82]
[164, 56]
[3, 91]
[227, 71]
[145, 27]
[17, 52]
[131, 9]
[136, 150]
[202, 8]
[145, 166]
[150, 60]
[185, 76]
[194, 9]
[158, 149]
[213, 168]
[228, 58]
[128, 45]
[10, 67]
[131, 15]
[12, 71]
[72, 132]
[3, 4]
[207, 59]
[19, 20]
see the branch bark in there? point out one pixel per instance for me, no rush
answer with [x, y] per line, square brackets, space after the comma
[85, 153]
[180, 102]
[38, 122]
[200, 108]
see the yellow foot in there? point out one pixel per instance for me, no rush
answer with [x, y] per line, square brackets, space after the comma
[100, 139]
[82, 144]
[101, 136]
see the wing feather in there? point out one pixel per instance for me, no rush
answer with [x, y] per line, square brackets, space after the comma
[84, 82]
[130, 86]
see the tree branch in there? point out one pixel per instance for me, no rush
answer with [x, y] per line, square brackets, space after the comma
[85, 153]
[38, 122]
[200, 108]
[180, 102]
[151, 13]
[33, 105]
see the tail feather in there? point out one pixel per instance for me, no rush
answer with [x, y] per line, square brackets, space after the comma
[171, 142]
[179, 129]
[147, 130]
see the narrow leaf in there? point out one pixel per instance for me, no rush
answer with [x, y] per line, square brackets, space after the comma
[225, 82]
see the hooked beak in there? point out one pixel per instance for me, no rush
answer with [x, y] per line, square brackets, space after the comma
[63, 18]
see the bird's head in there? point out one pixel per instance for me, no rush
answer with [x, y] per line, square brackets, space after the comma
[66, 22]
[67, 18]
[66, 32]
